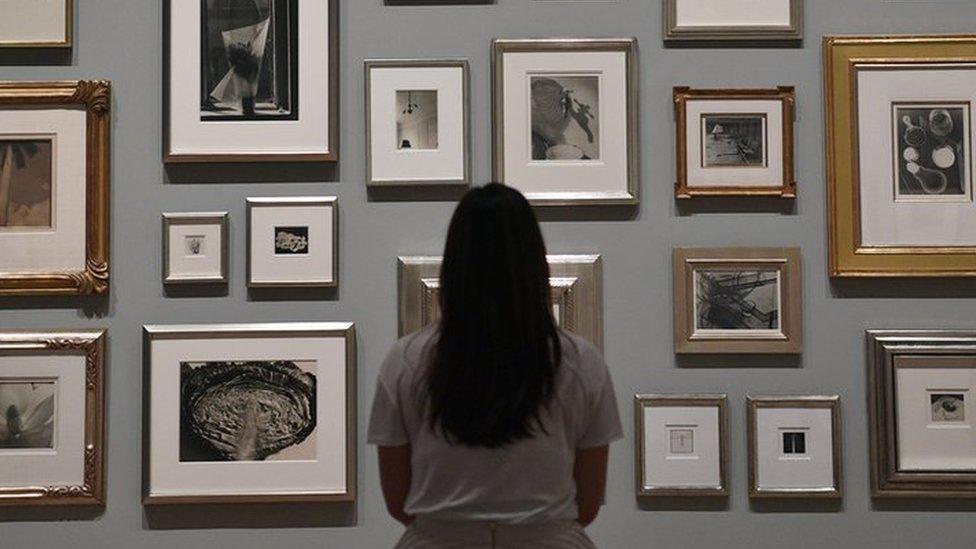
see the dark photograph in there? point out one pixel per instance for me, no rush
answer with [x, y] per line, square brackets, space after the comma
[416, 119]
[247, 411]
[734, 140]
[291, 240]
[565, 113]
[28, 409]
[948, 407]
[794, 443]
[931, 149]
[26, 183]
[736, 300]
[249, 60]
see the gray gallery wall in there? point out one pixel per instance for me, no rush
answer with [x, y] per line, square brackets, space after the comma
[121, 40]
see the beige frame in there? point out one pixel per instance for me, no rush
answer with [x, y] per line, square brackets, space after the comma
[883, 348]
[201, 218]
[733, 33]
[576, 280]
[627, 46]
[347, 330]
[785, 94]
[642, 401]
[67, 43]
[848, 257]
[94, 97]
[832, 403]
[325, 201]
[90, 343]
[785, 260]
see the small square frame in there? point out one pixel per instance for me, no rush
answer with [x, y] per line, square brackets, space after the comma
[306, 201]
[196, 218]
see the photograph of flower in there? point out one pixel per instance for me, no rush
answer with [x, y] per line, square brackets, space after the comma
[28, 412]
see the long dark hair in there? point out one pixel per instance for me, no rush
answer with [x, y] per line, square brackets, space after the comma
[495, 361]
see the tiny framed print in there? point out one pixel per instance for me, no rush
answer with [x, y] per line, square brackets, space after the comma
[564, 120]
[54, 187]
[250, 413]
[733, 21]
[795, 447]
[250, 81]
[576, 282]
[417, 122]
[52, 418]
[293, 242]
[900, 155]
[921, 391]
[735, 142]
[195, 248]
[737, 301]
[37, 24]
[682, 445]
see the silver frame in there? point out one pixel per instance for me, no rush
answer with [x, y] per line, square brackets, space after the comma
[368, 66]
[196, 218]
[733, 33]
[325, 201]
[346, 330]
[627, 46]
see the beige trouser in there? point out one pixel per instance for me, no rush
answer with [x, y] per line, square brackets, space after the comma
[430, 534]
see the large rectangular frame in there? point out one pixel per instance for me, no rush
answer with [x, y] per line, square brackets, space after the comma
[68, 41]
[732, 34]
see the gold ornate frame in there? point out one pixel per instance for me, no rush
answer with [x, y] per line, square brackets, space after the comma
[94, 97]
[90, 343]
[68, 41]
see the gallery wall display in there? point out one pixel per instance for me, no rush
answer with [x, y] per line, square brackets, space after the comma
[576, 282]
[244, 413]
[733, 20]
[737, 301]
[564, 120]
[293, 242]
[52, 417]
[195, 248]
[54, 187]
[250, 81]
[921, 386]
[899, 155]
[682, 445]
[417, 122]
[795, 447]
[36, 24]
[735, 142]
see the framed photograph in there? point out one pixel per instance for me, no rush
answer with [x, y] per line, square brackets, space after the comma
[36, 24]
[733, 21]
[195, 248]
[795, 447]
[293, 242]
[737, 301]
[245, 413]
[250, 81]
[682, 445]
[577, 293]
[900, 155]
[54, 187]
[735, 142]
[52, 417]
[922, 412]
[564, 120]
[417, 122]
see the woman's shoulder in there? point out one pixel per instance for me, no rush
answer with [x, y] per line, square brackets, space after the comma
[581, 358]
[409, 354]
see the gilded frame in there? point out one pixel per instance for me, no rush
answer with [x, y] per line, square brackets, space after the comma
[67, 43]
[325, 201]
[197, 218]
[90, 343]
[720, 401]
[732, 33]
[785, 94]
[95, 98]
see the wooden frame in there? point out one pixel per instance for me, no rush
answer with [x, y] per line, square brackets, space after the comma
[94, 97]
[786, 261]
[67, 43]
[90, 343]
[346, 330]
[327, 201]
[848, 256]
[887, 480]
[784, 94]
[642, 401]
[733, 33]
[754, 403]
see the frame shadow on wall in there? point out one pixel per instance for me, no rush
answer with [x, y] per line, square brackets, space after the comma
[250, 516]
[739, 361]
[923, 288]
[251, 172]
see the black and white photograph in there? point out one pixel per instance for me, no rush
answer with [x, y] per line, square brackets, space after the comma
[733, 140]
[249, 60]
[931, 151]
[195, 246]
[737, 300]
[416, 119]
[26, 183]
[794, 443]
[247, 411]
[291, 240]
[681, 441]
[565, 117]
[948, 407]
[27, 414]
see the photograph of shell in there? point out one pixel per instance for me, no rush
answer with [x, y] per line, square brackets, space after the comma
[27, 414]
[26, 183]
[247, 411]
[731, 140]
[737, 300]
[565, 117]
[931, 152]
[948, 407]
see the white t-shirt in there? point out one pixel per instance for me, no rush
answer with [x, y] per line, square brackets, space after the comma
[527, 482]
